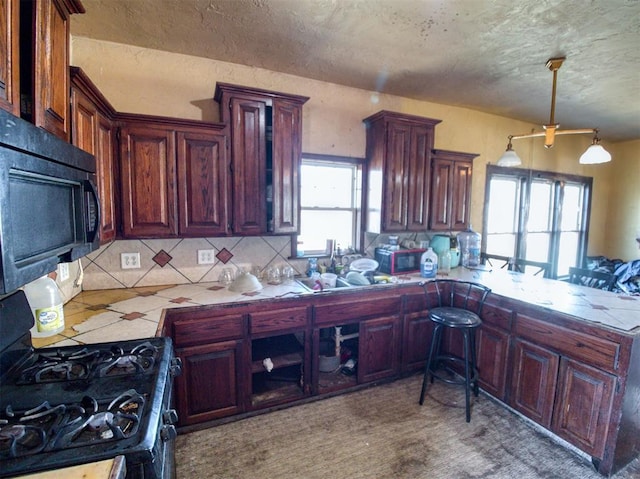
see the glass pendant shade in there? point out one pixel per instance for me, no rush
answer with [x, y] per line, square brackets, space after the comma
[595, 154]
[509, 158]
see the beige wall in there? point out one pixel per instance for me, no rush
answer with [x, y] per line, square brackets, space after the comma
[138, 80]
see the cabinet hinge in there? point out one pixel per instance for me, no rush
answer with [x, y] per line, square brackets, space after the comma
[617, 385]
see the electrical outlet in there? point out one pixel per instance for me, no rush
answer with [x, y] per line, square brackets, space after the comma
[206, 256]
[63, 270]
[130, 260]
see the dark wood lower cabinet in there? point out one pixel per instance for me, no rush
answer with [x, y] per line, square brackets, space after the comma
[533, 385]
[583, 406]
[492, 349]
[575, 378]
[378, 348]
[210, 385]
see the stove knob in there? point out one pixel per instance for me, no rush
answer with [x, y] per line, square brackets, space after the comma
[168, 433]
[170, 416]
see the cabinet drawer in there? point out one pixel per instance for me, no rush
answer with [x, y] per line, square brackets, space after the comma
[280, 319]
[344, 311]
[584, 347]
[496, 315]
[189, 332]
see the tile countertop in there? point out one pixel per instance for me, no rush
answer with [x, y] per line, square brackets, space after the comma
[118, 314]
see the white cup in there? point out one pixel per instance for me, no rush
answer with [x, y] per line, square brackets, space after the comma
[328, 280]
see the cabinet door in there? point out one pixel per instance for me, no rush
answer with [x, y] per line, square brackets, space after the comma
[94, 133]
[418, 329]
[583, 406]
[249, 166]
[9, 56]
[378, 348]
[450, 190]
[533, 385]
[492, 346]
[51, 74]
[210, 385]
[419, 178]
[148, 173]
[441, 191]
[396, 178]
[460, 195]
[106, 173]
[203, 188]
[287, 157]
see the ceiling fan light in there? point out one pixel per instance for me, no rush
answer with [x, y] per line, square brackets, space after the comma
[595, 154]
[509, 158]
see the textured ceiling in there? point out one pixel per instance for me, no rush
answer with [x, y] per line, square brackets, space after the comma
[487, 55]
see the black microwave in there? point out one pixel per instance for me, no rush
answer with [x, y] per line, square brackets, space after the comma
[399, 261]
[49, 208]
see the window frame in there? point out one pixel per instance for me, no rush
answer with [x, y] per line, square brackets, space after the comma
[359, 164]
[525, 178]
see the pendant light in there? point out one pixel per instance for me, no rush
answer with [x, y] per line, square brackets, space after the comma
[594, 154]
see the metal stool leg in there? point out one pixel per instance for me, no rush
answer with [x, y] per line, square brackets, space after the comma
[435, 346]
[467, 374]
[474, 366]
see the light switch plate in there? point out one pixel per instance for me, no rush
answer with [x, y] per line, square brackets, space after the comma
[130, 260]
[206, 256]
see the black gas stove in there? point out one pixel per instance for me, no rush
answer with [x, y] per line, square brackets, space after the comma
[64, 406]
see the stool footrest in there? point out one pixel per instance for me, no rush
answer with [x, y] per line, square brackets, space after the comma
[460, 379]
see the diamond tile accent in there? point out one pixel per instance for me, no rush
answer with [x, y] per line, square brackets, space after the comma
[180, 300]
[599, 307]
[215, 288]
[224, 255]
[251, 293]
[132, 316]
[162, 258]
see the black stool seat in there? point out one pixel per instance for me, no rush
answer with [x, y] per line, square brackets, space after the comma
[459, 305]
[454, 317]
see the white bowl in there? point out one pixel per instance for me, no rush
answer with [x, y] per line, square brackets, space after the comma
[363, 265]
[245, 283]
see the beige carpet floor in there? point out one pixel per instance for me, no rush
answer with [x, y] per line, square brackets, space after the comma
[382, 432]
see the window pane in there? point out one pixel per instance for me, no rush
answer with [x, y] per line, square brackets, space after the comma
[538, 246]
[571, 208]
[317, 226]
[326, 186]
[502, 206]
[567, 251]
[501, 244]
[540, 207]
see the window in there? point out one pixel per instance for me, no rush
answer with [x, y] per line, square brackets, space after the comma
[537, 216]
[330, 203]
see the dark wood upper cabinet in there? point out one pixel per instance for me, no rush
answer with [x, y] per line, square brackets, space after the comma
[34, 61]
[174, 177]
[202, 183]
[450, 190]
[9, 56]
[50, 108]
[93, 130]
[399, 168]
[148, 177]
[266, 153]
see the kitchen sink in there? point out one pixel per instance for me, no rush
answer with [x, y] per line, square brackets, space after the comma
[309, 283]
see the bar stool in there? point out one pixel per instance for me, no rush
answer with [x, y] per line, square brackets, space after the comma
[459, 305]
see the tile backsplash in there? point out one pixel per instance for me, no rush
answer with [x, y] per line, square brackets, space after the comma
[175, 261]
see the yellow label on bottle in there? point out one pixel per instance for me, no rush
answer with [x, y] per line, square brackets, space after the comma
[49, 319]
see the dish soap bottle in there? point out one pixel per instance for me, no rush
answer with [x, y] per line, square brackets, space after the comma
[46, 304]
[429, 264]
